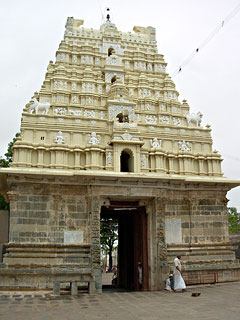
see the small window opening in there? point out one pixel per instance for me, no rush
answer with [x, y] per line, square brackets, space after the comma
[120, 117]
[110, 51]
[42, 138]
[113, 79]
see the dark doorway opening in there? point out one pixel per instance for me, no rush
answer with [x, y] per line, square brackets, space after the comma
[126, 162]
[132, 244]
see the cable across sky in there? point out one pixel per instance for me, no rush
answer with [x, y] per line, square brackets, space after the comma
[207, 40]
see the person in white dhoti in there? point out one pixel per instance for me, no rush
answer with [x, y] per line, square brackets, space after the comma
[179, 283]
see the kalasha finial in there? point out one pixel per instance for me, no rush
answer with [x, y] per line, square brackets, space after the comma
[108, 15]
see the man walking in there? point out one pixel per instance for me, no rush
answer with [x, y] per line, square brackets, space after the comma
[179, 283]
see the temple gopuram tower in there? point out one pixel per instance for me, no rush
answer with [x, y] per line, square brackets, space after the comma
[107, 137]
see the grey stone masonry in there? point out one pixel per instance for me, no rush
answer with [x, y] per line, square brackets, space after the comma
[44, 218]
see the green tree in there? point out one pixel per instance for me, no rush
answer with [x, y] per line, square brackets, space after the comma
[233, 220]
[108, 236]
[4, 163]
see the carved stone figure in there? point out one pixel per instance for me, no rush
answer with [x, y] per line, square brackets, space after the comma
[184, 146]
[60, 111]
[74, 99]
[143, 161]
[75, 112]
[60, 85]
[74, 58]
[59, 139]
[101, 115]
[131, 92]
[194, 118]
[151, 119]
[165, 119]
[89, 113]
[155, 143]
[88, 87]
[149, 67]
[109, 158]
[39, 106]
[93, 139]
[177, 121]
[74, 86]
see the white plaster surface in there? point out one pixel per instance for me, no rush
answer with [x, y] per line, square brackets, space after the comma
[73, 237]
[173, 231]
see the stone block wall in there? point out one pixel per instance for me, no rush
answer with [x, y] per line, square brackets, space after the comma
[44, 214]
[4, 226]
[202, 216]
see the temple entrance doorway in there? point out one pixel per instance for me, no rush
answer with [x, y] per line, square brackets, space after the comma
[132, 246]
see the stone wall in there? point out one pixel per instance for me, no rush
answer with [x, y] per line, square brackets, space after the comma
[4, 225]
[41, 213]
[202, 216]
[235, 242]
[182, 218]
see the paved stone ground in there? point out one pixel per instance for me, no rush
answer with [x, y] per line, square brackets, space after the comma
[216, 302]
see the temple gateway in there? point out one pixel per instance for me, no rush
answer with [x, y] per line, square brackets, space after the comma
[106, 136]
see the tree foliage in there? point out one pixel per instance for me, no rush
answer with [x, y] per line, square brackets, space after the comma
[233, 220]
[108, 236]
[4, 163]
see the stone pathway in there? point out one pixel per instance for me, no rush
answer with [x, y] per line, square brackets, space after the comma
[216, 302]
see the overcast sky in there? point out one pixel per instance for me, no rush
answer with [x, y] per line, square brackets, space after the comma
[30, 32]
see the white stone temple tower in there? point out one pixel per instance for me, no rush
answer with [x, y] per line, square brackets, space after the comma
[106, 135]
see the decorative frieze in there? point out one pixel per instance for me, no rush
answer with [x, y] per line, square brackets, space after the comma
[165, 119]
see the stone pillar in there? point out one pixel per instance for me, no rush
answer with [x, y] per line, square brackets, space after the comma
[94, 206]
[200, 161]
[77, 159]
[40, 157]
[181, 165]
[162, 262]
[170, 159]
[12, 196]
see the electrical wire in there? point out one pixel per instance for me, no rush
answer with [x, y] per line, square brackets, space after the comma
[207, 40]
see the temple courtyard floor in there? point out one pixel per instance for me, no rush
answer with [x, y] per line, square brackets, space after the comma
[216, 302]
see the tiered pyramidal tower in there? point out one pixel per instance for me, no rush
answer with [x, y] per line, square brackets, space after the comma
[107, 103]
